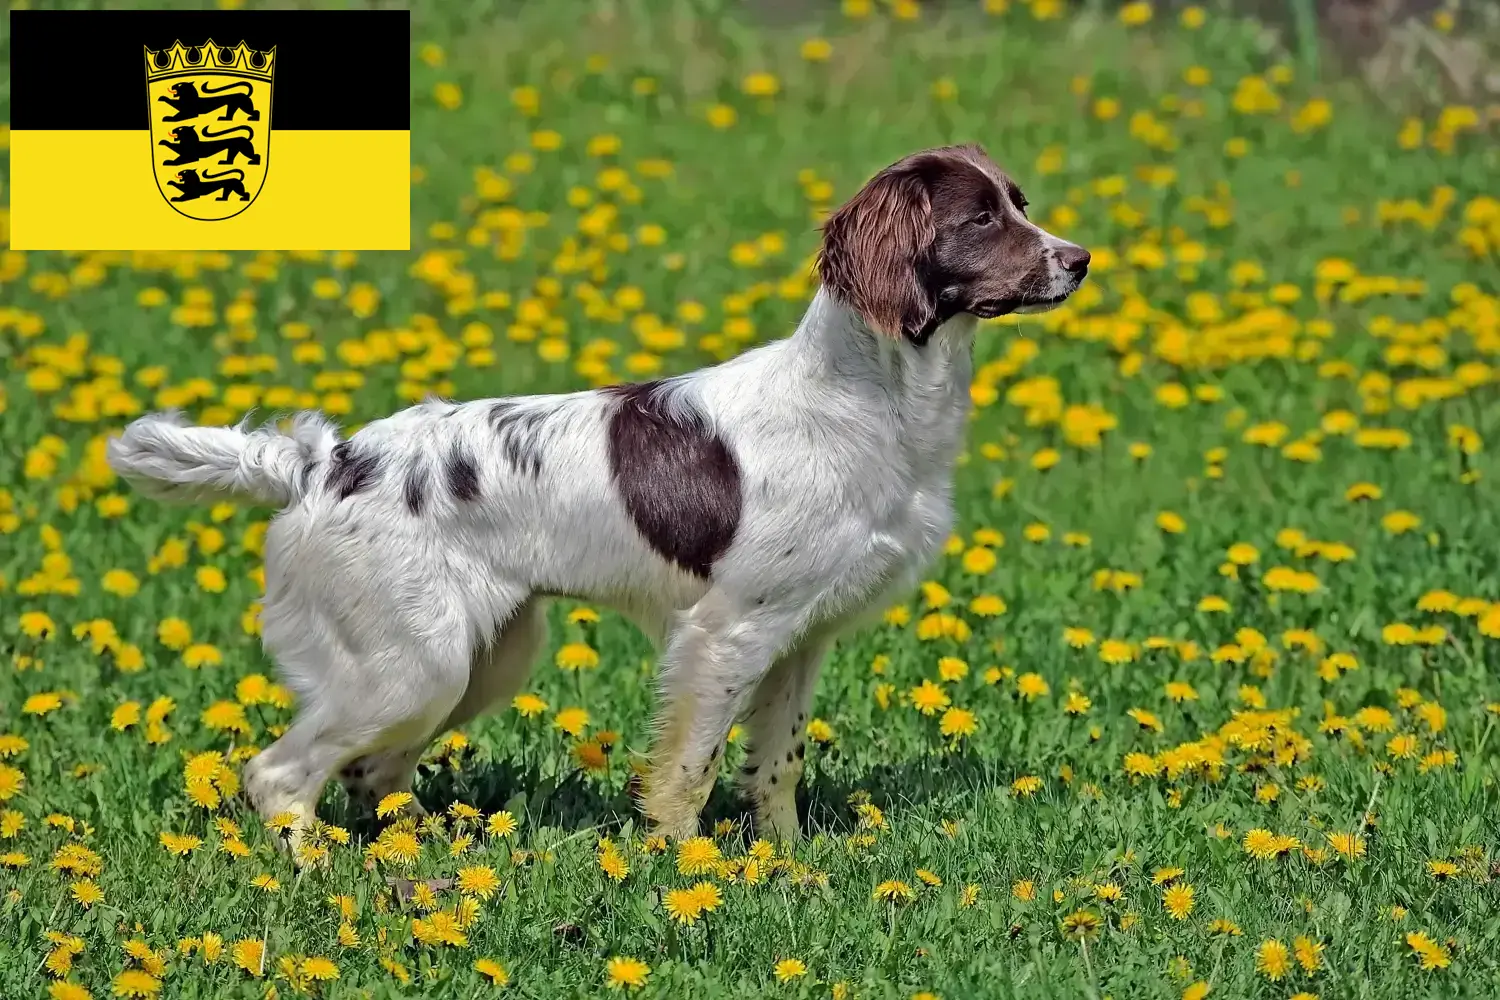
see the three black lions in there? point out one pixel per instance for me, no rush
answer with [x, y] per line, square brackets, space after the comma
[191, 100]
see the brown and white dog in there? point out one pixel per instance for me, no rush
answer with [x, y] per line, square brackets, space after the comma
[742, 514]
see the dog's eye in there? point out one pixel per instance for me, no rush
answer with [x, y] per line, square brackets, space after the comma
[982, 219]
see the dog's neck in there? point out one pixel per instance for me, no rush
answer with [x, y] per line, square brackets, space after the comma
[925, 387]
[833, 335]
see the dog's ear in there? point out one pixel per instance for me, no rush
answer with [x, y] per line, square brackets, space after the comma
[874, 249]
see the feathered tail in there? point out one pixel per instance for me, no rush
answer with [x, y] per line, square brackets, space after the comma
[167, 458]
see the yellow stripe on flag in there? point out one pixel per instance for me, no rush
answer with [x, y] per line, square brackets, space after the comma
[324, 190]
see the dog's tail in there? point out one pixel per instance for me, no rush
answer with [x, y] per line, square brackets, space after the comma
[166, 458]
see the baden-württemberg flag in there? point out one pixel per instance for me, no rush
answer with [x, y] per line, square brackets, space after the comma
[210, 130]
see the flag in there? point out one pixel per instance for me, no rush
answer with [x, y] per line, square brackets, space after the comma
[210, 130]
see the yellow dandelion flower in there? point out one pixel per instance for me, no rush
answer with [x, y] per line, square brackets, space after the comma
[623, 971]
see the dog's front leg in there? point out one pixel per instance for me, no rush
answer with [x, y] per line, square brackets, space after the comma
[776, 721]
[712, 662]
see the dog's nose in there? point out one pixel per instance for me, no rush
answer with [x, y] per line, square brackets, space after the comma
[1073, 259]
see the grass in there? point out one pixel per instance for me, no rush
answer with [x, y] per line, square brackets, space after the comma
[1203, 647]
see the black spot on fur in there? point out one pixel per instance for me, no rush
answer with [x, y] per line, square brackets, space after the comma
[789, 756]
[520, 432]
[801, 750]
[463, 476]
[680, 483]
[415, 489]
[773, 779]
[351, 472]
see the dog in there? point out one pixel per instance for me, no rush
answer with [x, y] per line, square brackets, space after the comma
[743, 514]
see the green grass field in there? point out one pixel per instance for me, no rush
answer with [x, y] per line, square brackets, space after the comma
[1201, 700]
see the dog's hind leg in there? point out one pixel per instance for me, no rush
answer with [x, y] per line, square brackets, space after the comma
[498, 672]
[501, 668]
[384, 688]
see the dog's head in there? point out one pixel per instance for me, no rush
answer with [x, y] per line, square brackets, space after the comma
[939, 233]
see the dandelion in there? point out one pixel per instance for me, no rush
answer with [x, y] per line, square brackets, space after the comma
[478, 880]
[42, 704]
[788, 969]
[1164, 875]
[1428, 952]
[577, 656]
[393, 803]
[572, 720]
[528, 705]
[682, 905]
[1146, 719]
[1177, 900]
[623, 971]
[86, 893]
[250, 955]
[1025, 786]
[928, 698]
[988, 606]
[613, 865]
[958, 723]
[1350, 845]
[493, 971]
[1272, 959]
[979, 560]
[1080, 924]
[698, 856]
[1261, 844]
[180, 844]
[1309, 954]
[1441, 869]
[135, 983]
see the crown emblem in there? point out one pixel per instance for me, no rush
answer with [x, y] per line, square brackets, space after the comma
[209, 57]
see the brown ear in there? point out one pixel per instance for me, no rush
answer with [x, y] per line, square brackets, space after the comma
[873, 250]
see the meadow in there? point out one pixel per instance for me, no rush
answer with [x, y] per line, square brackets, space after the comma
[1200, 700]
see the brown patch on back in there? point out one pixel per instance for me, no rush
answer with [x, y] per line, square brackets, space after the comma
[679, 482]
